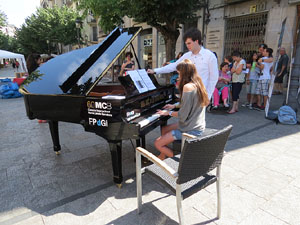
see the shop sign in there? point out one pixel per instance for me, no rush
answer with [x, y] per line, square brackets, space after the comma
[147, 42]
[258, 7]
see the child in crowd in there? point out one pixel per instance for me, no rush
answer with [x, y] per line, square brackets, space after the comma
[252, 79]
[191, 116]
[222, 86]
[238, 78]
[229, 60]
[264, 78]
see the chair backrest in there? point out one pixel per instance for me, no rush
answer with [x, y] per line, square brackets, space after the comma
[201, 155]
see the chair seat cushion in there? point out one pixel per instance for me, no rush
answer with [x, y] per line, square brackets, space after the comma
[188, 188]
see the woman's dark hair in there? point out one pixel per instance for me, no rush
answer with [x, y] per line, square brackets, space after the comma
[270, 51]
[128, 54]
[31, 62]
[188, 74]
[179, 55]
[194, 34]
[250, 60]
[236, 54]
[223, 64]
[229, 58]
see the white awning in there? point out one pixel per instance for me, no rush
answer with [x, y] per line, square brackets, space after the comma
[10, 55]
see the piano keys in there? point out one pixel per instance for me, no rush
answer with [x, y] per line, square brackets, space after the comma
[74, 87]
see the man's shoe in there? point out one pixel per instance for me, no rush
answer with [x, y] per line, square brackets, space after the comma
[246, 104]
[257, 107]
[250, 106]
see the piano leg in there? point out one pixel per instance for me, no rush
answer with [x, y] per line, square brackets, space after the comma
[138, 142]
[53, 125]
[143, 141]
[116, 158]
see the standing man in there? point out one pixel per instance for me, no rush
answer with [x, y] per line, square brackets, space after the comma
[261, 49]
[204, 60]
[281, 71]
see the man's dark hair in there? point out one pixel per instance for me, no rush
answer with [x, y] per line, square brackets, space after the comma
[128, 54]
[264, 46]
[236, 54]
[194, 34]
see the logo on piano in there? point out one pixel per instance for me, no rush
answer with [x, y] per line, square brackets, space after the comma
[99, 105]
[100, 123]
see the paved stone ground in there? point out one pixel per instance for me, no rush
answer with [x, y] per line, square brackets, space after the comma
[260, 172]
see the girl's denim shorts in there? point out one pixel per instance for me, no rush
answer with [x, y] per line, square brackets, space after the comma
[177, 134]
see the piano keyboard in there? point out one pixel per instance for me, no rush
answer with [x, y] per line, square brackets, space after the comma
[149, 119]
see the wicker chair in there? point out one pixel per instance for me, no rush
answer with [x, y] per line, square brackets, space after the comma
[187, 173]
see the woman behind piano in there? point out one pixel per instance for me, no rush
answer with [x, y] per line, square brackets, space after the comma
[128, 64]
[191, 115]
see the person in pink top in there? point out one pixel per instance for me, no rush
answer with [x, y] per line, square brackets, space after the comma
[222, 86]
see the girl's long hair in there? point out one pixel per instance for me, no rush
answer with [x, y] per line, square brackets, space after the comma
[188, 74]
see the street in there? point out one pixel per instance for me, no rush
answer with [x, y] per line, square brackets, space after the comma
[260, 175]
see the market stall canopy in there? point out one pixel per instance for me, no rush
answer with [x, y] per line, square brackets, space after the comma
[10, 55]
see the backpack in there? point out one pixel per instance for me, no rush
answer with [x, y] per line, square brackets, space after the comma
[286, 115]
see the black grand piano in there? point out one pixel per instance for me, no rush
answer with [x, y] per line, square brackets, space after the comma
[74, 87]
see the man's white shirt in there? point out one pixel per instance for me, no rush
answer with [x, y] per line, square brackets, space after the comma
[206, 65]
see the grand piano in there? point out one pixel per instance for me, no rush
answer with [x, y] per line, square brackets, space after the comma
[74, 87]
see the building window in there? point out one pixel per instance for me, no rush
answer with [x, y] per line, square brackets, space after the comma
[95, 36]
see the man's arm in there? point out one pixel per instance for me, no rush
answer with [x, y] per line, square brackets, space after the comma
[213, 75]
[168, 68]
[268, 60]
[282, 69]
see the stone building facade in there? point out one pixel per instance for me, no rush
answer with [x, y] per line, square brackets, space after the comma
[243, 25]
[226, 25]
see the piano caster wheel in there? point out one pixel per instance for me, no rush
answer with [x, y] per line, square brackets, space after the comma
[57, 153]
[119, 186]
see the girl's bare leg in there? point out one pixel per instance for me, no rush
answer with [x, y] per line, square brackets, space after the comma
[161, 145]
[168, 128]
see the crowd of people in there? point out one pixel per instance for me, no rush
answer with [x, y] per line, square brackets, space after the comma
[200, 82]
[254, 74]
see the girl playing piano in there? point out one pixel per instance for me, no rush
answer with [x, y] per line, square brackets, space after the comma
[191, 116]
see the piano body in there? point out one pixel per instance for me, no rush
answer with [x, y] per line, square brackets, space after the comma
[72, 87]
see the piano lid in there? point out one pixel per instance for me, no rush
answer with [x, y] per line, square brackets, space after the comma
[78, 71]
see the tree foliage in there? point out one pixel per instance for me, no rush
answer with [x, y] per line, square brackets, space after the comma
[110, 12]
[3, 19]
[10, 44]
[166, 16]
[6, 42]
[47, 28]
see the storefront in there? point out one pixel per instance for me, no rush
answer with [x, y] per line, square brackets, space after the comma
[145, 49]
[245, 33]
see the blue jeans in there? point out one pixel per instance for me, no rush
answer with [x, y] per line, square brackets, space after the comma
[177, 134]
